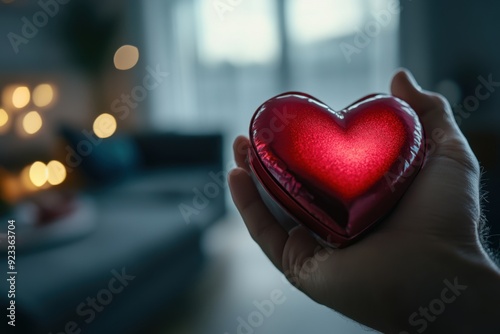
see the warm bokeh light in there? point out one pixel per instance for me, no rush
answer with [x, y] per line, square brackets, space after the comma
[56, 172]
[38, 173]
[4, 117]
[126, 57]
[10, 189]
[104, 125]
[21, 97]
[25, 179]
[43, 95]
[32, 122]
[7, 92]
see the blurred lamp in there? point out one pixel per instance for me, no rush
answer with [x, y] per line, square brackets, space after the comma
[126, 57]
[43, 95]
[21, 97]
[56, 172]
[32, 122]
[4, 117]
[25, 179]
[104, 126]
[38, 173]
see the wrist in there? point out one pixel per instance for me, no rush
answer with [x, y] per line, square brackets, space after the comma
[460, 297]
[476, 310]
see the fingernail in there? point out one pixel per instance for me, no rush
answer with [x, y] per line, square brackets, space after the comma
[236, 171]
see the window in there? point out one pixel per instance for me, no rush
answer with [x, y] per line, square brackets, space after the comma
[225, 57]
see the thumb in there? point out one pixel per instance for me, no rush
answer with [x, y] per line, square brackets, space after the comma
[442, 132]
[433, 109]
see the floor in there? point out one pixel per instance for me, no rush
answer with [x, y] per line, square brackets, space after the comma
[239, 277]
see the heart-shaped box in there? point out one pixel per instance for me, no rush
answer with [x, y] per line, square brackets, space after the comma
[337, 173]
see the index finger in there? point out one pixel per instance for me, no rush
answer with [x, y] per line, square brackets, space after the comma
[263, 227]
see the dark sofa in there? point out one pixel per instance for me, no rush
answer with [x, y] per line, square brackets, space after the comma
[143, 250]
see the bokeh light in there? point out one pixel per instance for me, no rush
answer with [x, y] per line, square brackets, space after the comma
[4, 117]
[126, 57]
[32, 122]
[38, 173]
[26, 179]
[56, 172]
[21, 97]
[104, 125]
[10, 189]
[43, 95]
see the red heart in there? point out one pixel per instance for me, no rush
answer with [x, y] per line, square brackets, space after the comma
[337, 173]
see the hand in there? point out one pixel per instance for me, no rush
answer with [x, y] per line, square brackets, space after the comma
[430, 237]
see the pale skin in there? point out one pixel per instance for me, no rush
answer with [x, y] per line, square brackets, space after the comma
[431, 236]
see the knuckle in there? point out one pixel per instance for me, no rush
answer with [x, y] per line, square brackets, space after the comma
[440, 101]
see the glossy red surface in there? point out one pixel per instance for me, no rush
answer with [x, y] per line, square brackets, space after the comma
[337, 173]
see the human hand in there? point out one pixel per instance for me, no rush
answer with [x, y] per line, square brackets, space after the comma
[431, 236]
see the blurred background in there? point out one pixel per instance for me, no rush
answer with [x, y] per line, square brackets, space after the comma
[116, 125]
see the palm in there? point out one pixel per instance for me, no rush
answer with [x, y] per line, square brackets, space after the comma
[401, 245]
